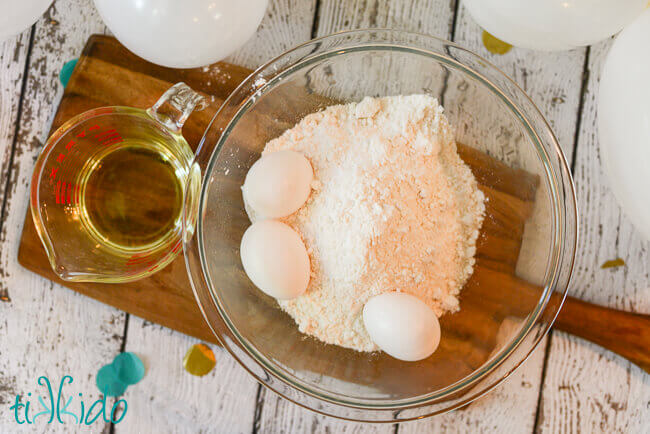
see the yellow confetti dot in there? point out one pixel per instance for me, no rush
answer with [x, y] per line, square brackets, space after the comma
[618, 262]
[495, 45]
[199, 360]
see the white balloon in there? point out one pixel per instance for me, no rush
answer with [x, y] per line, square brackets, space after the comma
[624, 121]
[17, 15]
[182, 33]
[553, 24]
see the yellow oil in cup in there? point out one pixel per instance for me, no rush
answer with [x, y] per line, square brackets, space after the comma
[109, 187]
[132, 195]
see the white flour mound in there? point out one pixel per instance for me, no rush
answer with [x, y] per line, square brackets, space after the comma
[393, 208]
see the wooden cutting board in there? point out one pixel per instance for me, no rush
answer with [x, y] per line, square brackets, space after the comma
[108, 74]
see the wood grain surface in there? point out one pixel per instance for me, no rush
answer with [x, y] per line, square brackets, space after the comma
[586, 388]
[553, 81]
[579, 387]
[107, 74]
[45, 329]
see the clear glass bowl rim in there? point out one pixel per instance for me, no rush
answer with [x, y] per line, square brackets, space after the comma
[265, 371]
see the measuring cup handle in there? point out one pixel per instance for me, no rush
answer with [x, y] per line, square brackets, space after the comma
[175, 106]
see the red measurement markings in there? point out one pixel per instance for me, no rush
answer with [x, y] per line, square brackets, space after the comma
[138, 262]
[60, 192]
[67, 193]
[112, 141]
[104, 134]
[173, 251]
[57, 191]
[142, 260]
[108, 137]
[136, 259]
[77, 194]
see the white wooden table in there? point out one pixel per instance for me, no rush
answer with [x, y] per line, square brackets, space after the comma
[568, 385]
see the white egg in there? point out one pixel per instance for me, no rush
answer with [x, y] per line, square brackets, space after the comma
[624, 120]
[402, 325]
[275, 259]
[182, 34]
[278, 184]
[553, 24]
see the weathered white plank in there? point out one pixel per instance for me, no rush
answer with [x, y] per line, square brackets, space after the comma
[588, 389]
[169, 399]
[431, 16]
[553, 81]
[47, 329]
[286, 24]
[375, 78]
[13, 55]
[281, 417]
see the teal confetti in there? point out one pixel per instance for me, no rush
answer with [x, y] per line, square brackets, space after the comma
[125, 370]
[129, 368]
[66, 71]
[108, 383]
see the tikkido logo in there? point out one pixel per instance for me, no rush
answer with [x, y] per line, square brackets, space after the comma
[58, 410]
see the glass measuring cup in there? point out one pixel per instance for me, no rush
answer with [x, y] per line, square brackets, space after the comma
[108, 189]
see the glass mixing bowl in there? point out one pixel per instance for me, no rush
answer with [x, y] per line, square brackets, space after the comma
[502, 317]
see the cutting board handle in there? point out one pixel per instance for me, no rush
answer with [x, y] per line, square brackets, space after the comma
[625, 333]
